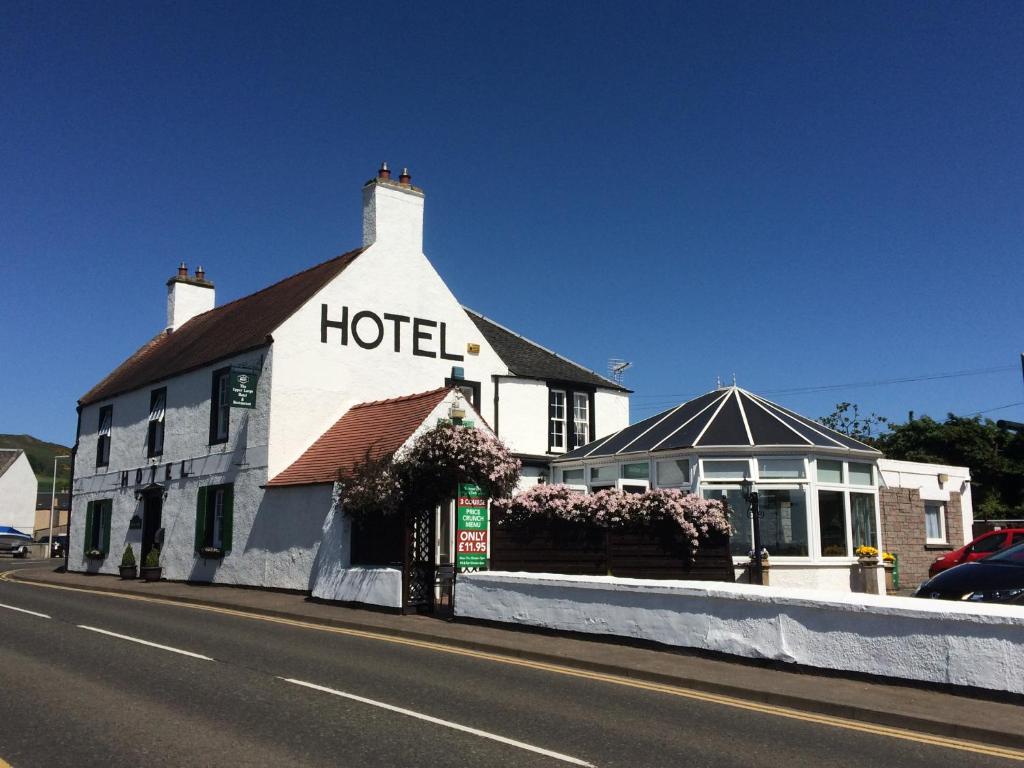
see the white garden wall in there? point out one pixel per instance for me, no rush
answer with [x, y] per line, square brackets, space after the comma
[933, 641]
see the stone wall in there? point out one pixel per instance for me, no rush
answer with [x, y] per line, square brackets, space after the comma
[903, 531]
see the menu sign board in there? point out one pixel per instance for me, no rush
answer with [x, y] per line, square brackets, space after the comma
[471, 545]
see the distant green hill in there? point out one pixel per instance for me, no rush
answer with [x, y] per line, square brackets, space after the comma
[40, 456]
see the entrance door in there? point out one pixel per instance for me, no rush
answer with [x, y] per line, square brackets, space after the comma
[152, 510]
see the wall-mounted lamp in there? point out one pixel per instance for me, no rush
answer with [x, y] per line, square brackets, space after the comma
[943, 478]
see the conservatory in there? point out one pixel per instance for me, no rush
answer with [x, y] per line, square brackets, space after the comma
[817, 488]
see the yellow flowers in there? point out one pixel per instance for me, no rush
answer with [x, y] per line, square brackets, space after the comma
[888, 557]
[865, 551]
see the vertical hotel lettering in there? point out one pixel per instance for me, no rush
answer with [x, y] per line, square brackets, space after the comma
[368, 330]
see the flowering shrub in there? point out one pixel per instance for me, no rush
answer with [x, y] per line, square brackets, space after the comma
[428, 473]
[697, 518]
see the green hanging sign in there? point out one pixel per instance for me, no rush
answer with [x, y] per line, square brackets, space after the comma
[243, 388]
[471, 530]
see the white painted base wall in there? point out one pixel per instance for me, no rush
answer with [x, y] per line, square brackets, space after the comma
[933, 641]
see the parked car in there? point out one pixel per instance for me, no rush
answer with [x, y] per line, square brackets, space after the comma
[996, 579]
[60, 543]
[983, 546]
[14, 545]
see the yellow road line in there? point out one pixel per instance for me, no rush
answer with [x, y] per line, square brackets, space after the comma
[671, 690]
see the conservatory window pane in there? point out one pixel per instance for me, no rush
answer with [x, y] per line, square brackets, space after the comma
[640, 470]
[716, 469]
[572, 475]
[607, 472]
[742, 540]
[832, 522]
[673, 472]
[862, 515]
[776, 468]
[784, 521]
[860, 474]
[830, 471]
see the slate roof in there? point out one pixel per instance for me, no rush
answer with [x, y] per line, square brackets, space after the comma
[729, 417]
[368, 429]
[8, 457]
[222, 332]
[529, 359]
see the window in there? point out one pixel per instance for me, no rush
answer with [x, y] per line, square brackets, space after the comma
[862, 517]
[991, 543]
[640, 470]
[607, 473]
[566, 430]
[556, 419]
[934, 522]
[832, 523]
[573, 476]
[103, 440]
[774, 469]
[580, 419]
[783, 521]
[830, 471]
[97, 525]
[716, 469]
[220, 406]
[155, 436]
[214, 517]
[673, 473]
[742, 540]
[861, 474]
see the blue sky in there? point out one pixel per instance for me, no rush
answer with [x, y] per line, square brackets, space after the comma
[800, 194]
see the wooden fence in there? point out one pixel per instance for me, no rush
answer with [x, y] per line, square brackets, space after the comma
[656, 553]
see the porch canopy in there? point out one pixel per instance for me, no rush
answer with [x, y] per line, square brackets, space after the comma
[817, 487]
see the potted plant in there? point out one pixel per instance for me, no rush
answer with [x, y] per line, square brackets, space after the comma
[128, 569]
[95, 554]
[889, 563]
[151, 570]
[866, 555]
[211, 553]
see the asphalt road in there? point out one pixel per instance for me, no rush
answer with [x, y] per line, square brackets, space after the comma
[78, 696]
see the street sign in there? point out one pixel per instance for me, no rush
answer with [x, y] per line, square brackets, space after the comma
[471, 544]
[243, 388]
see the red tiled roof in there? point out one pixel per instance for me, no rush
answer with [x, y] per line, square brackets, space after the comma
[228, 330]
[368, 429]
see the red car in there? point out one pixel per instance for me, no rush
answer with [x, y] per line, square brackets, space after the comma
[983, 546]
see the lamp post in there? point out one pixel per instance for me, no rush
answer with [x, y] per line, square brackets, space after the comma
[53, 502]
[750, 496]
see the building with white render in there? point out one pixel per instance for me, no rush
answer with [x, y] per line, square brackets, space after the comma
[18, 486]
[179, 447]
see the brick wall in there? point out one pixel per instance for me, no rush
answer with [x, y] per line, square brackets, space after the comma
[903, 531]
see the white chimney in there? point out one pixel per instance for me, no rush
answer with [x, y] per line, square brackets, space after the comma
[393, 211]
[187, 297]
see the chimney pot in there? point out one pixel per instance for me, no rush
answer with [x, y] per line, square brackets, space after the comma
[384, 172]
[200, 273]
[183, 270]
[405, 178]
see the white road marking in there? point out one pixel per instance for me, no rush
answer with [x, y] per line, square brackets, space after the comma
[23, 610]
[445, 723]
[146, 642]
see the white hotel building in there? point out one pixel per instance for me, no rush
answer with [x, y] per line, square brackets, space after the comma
[162, 456]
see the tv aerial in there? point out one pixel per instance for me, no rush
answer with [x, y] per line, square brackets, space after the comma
[617, 368]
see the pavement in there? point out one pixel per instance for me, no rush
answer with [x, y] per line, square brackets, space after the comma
[991, 718]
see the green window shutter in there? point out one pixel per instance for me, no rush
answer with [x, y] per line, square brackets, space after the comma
[229, 515]
[201, 519]
[87, 538]
[108, 509]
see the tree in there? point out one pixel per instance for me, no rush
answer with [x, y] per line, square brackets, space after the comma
[846, 418]
[995, 457]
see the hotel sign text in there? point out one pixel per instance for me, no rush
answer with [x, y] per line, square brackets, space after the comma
[424, 338]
